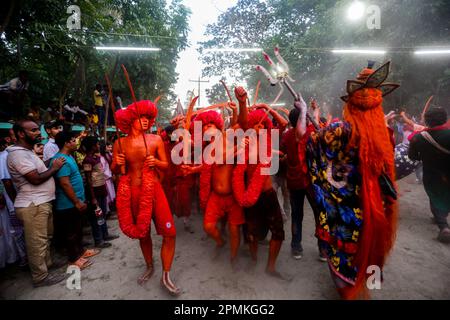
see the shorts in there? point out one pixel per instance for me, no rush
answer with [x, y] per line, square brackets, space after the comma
[161, 216]
[265, 215]
[219, 205]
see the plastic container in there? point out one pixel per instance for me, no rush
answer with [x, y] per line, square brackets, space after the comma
[99, 214]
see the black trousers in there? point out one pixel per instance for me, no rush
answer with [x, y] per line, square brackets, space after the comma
[440, 216]
[69, 223]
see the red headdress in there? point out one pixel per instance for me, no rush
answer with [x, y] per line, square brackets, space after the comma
[370, 136]
[143, 108]
[259, 116]
[210, 116]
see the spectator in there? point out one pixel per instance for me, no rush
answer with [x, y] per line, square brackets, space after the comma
[38, 148]
[96, 191]
[11, 138]
[15, 92]
[13, 227]
[72, 111]
[50, 148]
[8, 252]
[108, 153]
[92, 122]
[17, 85]
[118, 103]
[111, 197]
[70, 202]
[35, 192]
[99, 107]
[34, 114]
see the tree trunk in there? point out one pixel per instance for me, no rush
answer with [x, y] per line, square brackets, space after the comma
[8, 17]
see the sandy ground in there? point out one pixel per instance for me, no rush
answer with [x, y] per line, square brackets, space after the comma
[418, 268]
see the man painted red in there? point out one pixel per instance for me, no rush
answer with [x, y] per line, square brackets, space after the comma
[140, 196]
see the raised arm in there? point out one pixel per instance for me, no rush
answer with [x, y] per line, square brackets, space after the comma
[241, 95]
[425, 109]
[300, 128]
[234, 117]
[282, 122]
[406, 119]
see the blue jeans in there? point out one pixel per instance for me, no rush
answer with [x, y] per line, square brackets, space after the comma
[98, 232]
[297, 198]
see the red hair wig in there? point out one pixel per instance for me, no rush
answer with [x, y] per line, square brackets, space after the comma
[259, 116]
[210, 116]
[370, 137]
[125, 117]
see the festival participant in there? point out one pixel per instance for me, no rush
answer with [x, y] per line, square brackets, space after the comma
[140, 196]
[351, 164]
[168, 182]
[432, 146]
[257, 196]
[298, 182]
[178, 186]
[216, 194]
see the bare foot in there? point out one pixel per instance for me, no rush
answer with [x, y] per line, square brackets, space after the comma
[167, 284]
[218, 250]
[234, 264]
[251, 266]
[188, 228]
[278, 275]
[146, 275]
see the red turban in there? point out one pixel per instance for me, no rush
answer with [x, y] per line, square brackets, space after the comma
[125, 117]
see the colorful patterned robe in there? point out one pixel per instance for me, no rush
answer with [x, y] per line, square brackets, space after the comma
[336, 183]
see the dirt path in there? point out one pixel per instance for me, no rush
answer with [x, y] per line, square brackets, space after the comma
[419, 267]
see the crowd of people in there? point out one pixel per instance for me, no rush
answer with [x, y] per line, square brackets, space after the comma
[14, 99]
[346, 169]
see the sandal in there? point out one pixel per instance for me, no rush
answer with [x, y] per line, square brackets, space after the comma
[90, 253]
[82, 263]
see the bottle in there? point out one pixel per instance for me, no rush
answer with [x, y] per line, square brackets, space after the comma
[99, 215]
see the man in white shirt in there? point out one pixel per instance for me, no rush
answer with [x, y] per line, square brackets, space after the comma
[35, 191]
[18, 84]
[13, 94]
[52, 128]
[71, 110]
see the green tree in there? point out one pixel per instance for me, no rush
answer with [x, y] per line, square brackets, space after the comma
[307, 30]
[64, 62]
[217, 93]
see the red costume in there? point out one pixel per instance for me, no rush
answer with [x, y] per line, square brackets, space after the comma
[134, 216]
[140, 196]
[262, 209]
